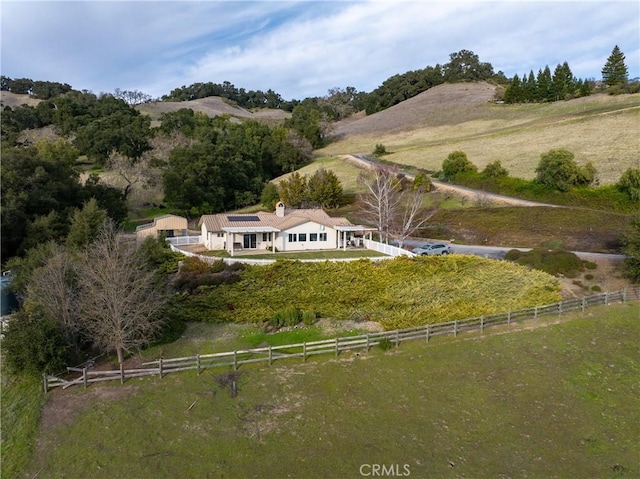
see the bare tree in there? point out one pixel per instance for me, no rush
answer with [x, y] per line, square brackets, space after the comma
[53, 291]
[411, 215]
[119, 299]
[395, 208]
[381, 199]
[137, 174]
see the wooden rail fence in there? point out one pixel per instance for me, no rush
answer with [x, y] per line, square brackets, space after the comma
[335, 346]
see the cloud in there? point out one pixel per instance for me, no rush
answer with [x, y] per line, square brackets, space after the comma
[303, 48]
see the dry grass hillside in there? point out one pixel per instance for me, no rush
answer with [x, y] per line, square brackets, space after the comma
[423, 130]
[13, 100]
[210, 106]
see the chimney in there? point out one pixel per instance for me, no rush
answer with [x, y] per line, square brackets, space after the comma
[280, 209]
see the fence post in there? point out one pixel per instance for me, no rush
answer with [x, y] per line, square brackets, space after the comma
[624, 295]
[121, 373]
[337, 348]
[535, 312]
[606, 298]
[509, 318]
[367, 342]
[397, 338]
[455, 328]
[304, 351]
[160, 368]
[427, 333]
[584, 304]
[482, 324]
[84, 376]
[198, 364]
[559, 308]
[270, 355]
[45, 383]
[235, 360]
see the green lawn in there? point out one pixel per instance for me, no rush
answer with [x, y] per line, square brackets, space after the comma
[556, 401]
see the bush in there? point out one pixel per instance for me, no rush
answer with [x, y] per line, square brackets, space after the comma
[494, 170]
[589, 264]
[457, 163]
[34, 345]
[385, 344]
[550, 261]
[308, 317]
[558, 170]
[288, 316]
[596, 289]
[588, 277]
[380, 150]
[629, 183]
[513, 255]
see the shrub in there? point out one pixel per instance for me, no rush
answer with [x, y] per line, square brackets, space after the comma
[588, 277]
[513, 254]
[579, 283]
[308, 317]
[385, 344]
[380, 150]
[596, 289]
[34, 345]
[287, 316]
[558, 170]
[630, 183]
[550, 261]
[494, 170]
[589, 264]
[457, 163]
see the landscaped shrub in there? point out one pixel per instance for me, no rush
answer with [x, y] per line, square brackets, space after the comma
[308, 317]
[287, 316]
[551, 261]
[588, 277]
[385, 344]
[391, 292]
[589, 264]
[596, 289]
[513, 254]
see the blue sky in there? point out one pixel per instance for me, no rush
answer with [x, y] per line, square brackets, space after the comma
[303, 48]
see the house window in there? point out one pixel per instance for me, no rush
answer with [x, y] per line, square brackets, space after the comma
[293, 237]
[313, 236]
[266, 236]
[323, 236]
[302, 237]
[220, 235]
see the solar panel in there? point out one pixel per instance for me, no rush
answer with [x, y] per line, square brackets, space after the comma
[243, 218]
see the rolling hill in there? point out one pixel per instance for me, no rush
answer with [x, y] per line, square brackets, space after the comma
[423, 130]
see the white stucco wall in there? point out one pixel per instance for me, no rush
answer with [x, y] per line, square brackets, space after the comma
[307, 229]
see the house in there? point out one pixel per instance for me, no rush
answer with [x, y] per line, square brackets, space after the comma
[284, 230]
[169, 225]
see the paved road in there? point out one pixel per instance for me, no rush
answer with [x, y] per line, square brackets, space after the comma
[498, 252]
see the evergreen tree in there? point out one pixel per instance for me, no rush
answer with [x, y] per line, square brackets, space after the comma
[615, 71]
[545, 91]
[532, 88]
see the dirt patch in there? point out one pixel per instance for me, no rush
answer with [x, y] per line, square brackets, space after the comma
[607, 276]
[63, 406]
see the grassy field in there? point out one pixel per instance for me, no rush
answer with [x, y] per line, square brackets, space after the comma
[555, 401]
[600, 128]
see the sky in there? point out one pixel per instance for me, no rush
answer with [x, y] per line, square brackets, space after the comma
[302, 48]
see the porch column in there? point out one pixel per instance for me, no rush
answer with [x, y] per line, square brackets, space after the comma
[232, 240]
[344, 241]
[273, 242]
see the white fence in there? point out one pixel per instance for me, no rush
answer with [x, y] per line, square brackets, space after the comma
[387, 249]
[390, 251]
[184, 240]
[335, 346]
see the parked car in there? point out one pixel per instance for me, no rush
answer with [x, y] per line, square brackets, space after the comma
[432, 249]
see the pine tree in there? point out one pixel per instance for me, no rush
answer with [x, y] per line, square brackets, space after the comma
[615, 71]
